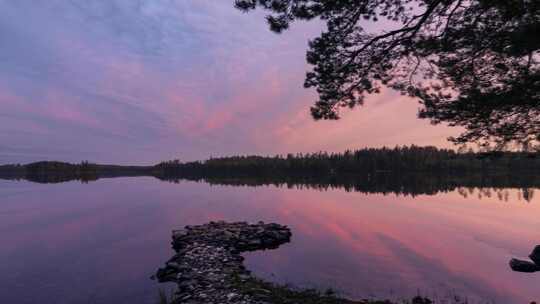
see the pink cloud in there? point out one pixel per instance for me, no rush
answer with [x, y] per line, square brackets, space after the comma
[387, 119]
[205, 89]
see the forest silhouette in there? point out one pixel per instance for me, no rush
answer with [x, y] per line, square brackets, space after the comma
[402, 170]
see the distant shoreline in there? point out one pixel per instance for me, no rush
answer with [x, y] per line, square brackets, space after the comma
[408, 171]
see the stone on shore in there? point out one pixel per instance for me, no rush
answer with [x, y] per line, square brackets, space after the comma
[535, 255]
[523, 266]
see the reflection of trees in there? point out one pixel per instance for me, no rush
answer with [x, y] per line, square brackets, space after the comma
[499, 187]
[403, 171]
[48, 172]
[387, 183]
[502, 194]
[528, 194]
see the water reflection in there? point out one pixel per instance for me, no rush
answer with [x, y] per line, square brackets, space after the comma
[481, 185]
[100, 242]
[504, 194]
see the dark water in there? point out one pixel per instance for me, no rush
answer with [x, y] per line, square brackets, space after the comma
[100, 242]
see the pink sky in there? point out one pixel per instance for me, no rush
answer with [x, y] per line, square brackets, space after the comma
[112, 81]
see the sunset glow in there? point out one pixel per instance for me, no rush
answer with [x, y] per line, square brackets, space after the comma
[114, 82]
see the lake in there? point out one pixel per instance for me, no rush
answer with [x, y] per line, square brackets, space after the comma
[100, 242]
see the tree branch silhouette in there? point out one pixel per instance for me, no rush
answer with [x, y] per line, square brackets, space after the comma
[470, 63]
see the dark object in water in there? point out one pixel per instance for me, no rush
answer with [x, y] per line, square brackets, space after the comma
[523, 266]
[526, 266]
[535, 255]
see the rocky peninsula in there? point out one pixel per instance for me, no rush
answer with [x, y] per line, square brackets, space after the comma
[208, 267]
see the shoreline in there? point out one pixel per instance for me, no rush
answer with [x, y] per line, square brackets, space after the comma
[208, 268]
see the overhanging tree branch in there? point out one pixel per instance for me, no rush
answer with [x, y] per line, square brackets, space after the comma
[478, 60]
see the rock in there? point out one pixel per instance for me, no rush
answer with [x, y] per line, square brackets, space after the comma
[231, 296]
[243, 277]
[173, 265]
[208, 262]
[535, 255]
[185, 297]
[523, 266]
[255, 242]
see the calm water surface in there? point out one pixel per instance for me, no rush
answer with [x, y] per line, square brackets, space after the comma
[101, 242]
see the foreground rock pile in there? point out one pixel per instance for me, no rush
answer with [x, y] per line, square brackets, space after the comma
[208, 267]
[527, 266]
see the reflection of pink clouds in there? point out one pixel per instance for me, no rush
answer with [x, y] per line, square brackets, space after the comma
[361, 243]
[470, 238]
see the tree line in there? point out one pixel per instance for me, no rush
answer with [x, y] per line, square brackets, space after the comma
[407, 159]
[409, 170]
